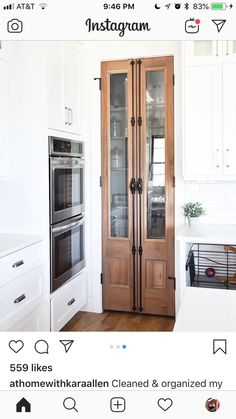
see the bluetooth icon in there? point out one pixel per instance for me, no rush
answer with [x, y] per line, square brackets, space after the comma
[186, 6]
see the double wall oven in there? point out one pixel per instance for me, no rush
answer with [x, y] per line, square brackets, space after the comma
[66, 209]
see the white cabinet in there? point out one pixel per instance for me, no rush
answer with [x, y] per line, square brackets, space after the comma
[21, 289]
[203, 121]
[209, 52]
[63, 87]
[202, 52]
[68, 300]
[209, 115]
[3, 118]
[229, 119]
[3, 51]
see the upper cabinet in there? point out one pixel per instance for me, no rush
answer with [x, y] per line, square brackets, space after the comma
[63, 86]
[3, 50]
[209, 110]
[3, 118]
[209, 52]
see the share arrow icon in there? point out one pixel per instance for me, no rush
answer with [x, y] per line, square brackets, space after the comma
[219, 23]
[67, 344]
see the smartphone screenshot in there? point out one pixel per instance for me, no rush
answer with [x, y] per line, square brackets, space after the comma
[117, 209]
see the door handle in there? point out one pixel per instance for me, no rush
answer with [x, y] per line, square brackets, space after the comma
[17, 264]
[71, 302]
[67, 122]
[227, 158]
[70, 116]
[19, 299]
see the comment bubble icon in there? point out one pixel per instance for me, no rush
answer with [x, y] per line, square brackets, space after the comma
[41, 347]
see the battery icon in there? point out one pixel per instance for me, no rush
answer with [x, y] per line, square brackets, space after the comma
[218, 6]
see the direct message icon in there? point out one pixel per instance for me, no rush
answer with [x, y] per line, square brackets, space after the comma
[165, 404]
[219, 345]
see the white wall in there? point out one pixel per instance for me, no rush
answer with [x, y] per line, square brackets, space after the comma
[218, 199]
[94, 53]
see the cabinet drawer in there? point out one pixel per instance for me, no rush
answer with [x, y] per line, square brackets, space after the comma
[20, 262]
[19, 298]
[70, 299]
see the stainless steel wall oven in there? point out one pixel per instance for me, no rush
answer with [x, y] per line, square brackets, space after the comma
[66, 164]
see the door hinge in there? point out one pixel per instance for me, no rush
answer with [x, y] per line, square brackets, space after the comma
[132, 121]
[100, 181]
[140, 185]
[100, 82]
[173, 79]
[101, 278]
[173, 181]
[133, 250]
[140, 121]
[140, 250]
[133, 185]
[173, 279]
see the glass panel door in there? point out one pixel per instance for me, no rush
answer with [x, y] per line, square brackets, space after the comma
[118, 155]
[155, 153]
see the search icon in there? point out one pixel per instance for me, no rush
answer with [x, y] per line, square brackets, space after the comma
[70, 404]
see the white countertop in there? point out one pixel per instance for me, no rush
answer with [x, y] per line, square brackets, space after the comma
[207, 310]
[10, 243]
[207, 233]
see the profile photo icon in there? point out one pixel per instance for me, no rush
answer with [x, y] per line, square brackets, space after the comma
[212, 405]
[15, 26]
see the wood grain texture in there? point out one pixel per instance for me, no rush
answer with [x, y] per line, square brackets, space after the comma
[119, 322]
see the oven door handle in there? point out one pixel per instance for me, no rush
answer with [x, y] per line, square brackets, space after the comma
[68, 226]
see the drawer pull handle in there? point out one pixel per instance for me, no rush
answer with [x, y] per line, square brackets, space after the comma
[17, 264]
[71, 302]
[19, 299]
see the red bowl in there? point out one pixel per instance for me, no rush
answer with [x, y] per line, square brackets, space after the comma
[210, 272]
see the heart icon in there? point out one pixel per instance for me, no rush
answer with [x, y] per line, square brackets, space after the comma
[16, 345]
[165, 404]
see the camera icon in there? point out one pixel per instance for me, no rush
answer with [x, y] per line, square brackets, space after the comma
[15, 26]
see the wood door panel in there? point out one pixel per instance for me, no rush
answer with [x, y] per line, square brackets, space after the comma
[157, 265]
[155, 274]
[136, 268]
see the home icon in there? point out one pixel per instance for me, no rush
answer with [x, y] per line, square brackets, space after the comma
[23, 406]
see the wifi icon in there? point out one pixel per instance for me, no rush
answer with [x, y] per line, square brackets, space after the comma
[43, 5]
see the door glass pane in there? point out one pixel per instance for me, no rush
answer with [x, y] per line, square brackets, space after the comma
[203, 48]
[118, 155]
[155, 154]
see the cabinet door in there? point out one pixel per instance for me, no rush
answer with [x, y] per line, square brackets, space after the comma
[3, 118]
[229, 119]
[70, 58]
[56, 115]
[3, 51]
[202, 52]
[229, 51]
[203, 121]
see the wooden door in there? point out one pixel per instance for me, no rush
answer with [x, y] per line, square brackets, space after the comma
[119, 291]
[156, 168]
[229, 120]
[138, 262]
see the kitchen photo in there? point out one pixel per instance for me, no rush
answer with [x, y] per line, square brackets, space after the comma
[118, 186]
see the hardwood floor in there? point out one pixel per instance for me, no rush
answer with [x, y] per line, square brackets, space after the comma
[112, 321]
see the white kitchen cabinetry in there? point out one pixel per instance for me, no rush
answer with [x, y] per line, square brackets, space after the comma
[229, 119]
[3, 51]
[68, 300]
[203, 121]
[21, 284]
[209, 116]
[209, 52]
[63, 86]
[3, 117]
